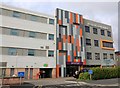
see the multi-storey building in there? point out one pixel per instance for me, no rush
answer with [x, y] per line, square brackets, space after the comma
[81, 43]
[28, 42]
[57, 46]
[98, 44]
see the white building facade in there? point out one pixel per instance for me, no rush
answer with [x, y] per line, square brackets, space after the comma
[28, 43]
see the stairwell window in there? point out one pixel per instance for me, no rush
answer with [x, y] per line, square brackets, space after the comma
[12, 51]
[51, 36]
[50, 53]
[14, 32]
[16, 14]
[32, 34]
[51, 21]
[31, 52]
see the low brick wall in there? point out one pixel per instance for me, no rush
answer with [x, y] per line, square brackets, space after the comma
[11, 80]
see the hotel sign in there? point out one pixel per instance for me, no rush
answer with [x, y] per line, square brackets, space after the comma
[74, 63]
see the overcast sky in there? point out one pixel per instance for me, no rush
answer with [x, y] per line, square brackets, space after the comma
[105, 12]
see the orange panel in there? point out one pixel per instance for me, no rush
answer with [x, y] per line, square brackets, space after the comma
[84, 62]
[80, 32]
[59, 22]
[57, 71]
[107, 48]
[78, 60]
[72, 39]
[74, 53]
[74, 60]
[64, 38]
[81, 19]
[77, 42]
[71, 19]
[77, 26]
[59, 45]
[78, 48]
[68, 58]
[76, 18]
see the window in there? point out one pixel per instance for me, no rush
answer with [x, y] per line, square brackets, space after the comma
[111, 56]
[87, 29]
[12, 71]
[51, 21]
[94, 30]
[109, 33]
[12, 51]
[104, 55]
[14, 32]
[31, 52]
[16, 14]
[33, 18]
[97, 56]
[32, 34]
[51, 36]
[102, 32]
[89, 55]
[88, 41]
[108, 44]
[96, 43]
[50, 53]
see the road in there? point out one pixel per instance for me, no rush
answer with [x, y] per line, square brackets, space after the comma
[69, 82]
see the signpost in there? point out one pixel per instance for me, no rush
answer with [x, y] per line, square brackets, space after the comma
[90, 72]
[21, 74]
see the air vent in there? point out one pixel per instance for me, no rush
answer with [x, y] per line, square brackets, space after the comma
[47, 47]
[41, 47]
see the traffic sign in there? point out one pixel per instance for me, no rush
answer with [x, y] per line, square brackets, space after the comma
[21, 74]
[90, 71]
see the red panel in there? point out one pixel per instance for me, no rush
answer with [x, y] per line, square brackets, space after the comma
[78, 60]
[74, 60]
[81, 19]
[59, 45]
[64, 38]
[74, 53]
[80, 32]
[72, 39]
[76, 18]
[84, 62]
[59, 22]
[57, 71]
[68, 58]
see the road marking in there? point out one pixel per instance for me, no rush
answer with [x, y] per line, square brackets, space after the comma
[91, 84]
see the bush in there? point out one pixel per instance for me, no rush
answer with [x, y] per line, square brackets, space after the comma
[101, 73]
[84, 76]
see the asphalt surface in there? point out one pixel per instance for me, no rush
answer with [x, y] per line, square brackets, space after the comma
[68, 83]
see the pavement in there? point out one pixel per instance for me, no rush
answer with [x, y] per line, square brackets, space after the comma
[68, 82]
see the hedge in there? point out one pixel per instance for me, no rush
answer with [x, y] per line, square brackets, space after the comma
[101, 73]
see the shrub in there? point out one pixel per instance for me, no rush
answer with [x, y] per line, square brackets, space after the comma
[84, 76]
[102, 73]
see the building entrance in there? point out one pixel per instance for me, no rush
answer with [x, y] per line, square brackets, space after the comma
[70, 70]
[46, 72]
